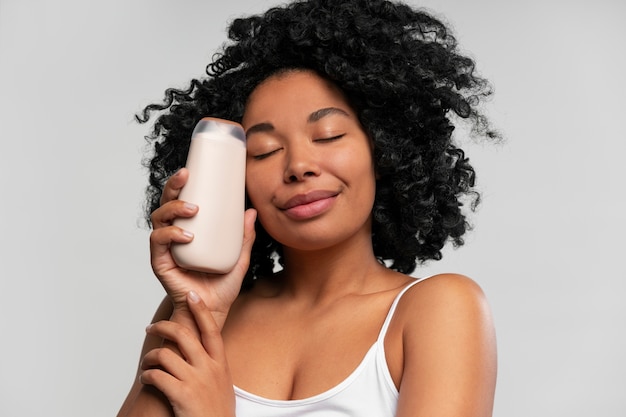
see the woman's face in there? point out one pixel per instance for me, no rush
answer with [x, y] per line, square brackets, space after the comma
[309, 169]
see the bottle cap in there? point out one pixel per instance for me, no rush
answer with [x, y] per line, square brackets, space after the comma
[228, 127]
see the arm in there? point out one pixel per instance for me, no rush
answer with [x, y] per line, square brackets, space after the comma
[449, 350]
[194, 377]
[183, 370]
[216, 291]
[151, 342]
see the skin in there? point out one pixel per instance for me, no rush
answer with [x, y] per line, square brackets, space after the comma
[311, 180]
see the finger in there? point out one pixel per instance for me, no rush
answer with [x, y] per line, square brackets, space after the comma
[161, 240]
[165, 359]
[249, 234]
[161, 380]
[210, 333]
[169, 234]
[173, 185]
[186, 341]
[164, 215]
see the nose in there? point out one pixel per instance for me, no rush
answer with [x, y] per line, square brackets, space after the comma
[301, 163]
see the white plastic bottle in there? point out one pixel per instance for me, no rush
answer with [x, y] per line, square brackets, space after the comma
[216, 163]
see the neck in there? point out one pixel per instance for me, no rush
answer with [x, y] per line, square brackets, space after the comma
[325, 275]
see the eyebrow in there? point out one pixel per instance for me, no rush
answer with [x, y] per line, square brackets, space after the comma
[321, 113]
[313, 117]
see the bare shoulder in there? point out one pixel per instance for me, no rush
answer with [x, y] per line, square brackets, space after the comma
[450, 280]
[449, 348]
[443, 309]
[443, 294]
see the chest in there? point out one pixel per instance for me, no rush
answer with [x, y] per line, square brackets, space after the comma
[284, 353]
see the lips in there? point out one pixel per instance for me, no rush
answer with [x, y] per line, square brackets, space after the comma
[302, 199]
[311, 204]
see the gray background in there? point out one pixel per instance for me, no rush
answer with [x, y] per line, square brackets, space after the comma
[76, 289]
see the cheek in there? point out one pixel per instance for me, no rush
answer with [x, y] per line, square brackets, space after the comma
[359, 166]
[365, 174]
[258, 187]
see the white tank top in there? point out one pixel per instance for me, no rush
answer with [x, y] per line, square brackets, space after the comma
[367, 391]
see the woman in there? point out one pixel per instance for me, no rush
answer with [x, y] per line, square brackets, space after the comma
[353, 176]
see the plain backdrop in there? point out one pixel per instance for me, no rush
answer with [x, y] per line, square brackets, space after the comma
[76, 288]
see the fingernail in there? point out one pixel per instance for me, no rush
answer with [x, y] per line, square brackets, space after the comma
[148, 327]
[193, 297]
[190, 206]
[187, 233]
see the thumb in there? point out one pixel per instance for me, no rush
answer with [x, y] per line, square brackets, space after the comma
[249, 234]
[210, 331]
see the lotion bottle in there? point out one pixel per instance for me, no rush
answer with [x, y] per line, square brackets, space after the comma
[216, 162]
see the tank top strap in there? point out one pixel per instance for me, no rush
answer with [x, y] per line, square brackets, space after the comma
[392, 309]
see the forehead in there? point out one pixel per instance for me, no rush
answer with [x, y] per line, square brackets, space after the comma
[294, 94]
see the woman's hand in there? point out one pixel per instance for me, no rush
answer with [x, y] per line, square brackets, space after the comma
[198, 383]
[216, 290]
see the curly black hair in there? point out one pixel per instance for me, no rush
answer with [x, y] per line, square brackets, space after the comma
[402, 72]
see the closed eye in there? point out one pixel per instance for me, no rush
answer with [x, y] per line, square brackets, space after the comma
[330, 139]
[265, 155]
